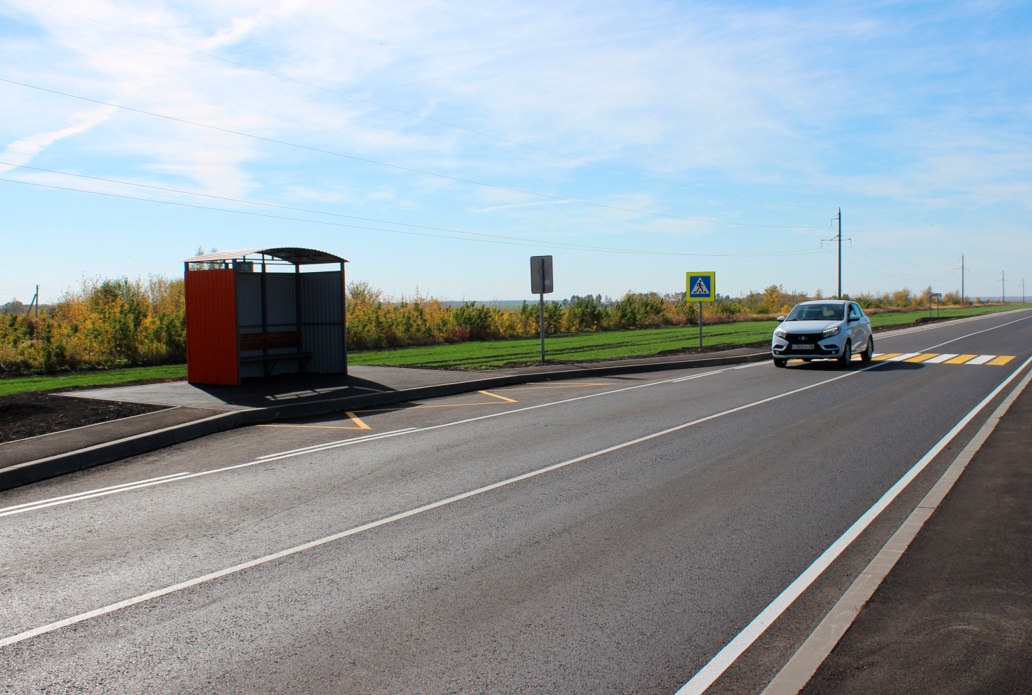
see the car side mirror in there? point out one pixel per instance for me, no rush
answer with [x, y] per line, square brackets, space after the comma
[781, 318]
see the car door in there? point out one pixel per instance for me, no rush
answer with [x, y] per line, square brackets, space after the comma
[859, 326]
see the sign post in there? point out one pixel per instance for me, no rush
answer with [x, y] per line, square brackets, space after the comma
[700, 287]
[541, 284]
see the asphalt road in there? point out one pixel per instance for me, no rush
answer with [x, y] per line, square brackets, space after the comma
[611, 535]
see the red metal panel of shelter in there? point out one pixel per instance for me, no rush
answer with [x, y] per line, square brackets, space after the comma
[211, 327]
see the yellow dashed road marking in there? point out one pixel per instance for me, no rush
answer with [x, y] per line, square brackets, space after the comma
[961, 359]
[359, 425]
[922, 357]
[886, 356]
[1001, 360]
[501, 398]
[357, 420]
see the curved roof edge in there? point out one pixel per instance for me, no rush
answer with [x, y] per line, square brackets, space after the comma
[290, 254]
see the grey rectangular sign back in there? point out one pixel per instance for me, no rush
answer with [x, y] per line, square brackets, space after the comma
[541, 274]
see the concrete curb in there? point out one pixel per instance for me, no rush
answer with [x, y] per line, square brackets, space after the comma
[99, 454]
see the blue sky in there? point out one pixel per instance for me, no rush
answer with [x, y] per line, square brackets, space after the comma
[439, 145]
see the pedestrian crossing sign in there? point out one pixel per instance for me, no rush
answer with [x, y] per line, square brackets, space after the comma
[701, 287]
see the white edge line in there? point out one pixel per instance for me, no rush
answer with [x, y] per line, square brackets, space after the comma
[94, 424]
[91, 494]
[798, 671]
[709, 673]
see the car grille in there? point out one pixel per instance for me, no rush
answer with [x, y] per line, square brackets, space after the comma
[805, 339]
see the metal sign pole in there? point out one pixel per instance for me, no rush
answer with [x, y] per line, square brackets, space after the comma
[542, 311]
[700, 325]
[541, 284]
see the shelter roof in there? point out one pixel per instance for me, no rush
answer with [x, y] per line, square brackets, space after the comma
[292, 255]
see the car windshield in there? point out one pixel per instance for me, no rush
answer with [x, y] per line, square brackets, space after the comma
[817, 312]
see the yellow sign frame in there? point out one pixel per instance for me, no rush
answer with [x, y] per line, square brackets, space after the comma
[697, 281]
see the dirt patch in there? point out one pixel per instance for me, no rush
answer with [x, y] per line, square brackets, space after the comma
[31, 414]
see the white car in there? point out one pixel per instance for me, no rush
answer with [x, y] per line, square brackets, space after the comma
[823, 329]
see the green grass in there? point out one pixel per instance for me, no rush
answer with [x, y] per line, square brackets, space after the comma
[587, 347]
[583, 347]
[104, 377]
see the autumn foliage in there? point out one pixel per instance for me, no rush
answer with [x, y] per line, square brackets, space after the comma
[121, 323]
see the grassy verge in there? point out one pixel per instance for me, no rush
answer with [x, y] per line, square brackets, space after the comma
[106, 377]
[586, 347]
[582, 347]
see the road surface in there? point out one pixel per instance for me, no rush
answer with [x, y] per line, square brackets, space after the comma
[603, 535]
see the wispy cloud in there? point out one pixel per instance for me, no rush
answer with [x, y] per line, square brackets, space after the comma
[23, 151]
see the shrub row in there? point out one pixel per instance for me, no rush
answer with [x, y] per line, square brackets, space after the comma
[120, 323]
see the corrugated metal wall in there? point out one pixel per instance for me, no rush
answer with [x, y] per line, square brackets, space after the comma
[211, 333]
[322, 321]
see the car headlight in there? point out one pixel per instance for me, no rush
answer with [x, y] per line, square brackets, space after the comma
[833, 331]
[780, 333]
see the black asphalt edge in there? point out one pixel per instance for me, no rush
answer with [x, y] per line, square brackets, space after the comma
[108, 452]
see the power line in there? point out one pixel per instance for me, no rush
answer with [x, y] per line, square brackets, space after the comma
[429, 119]
[331, 153]
[481, 236]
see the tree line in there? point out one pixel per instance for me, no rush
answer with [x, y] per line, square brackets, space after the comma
[114, 323]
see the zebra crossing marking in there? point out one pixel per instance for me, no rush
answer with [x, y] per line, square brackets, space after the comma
[948, 358]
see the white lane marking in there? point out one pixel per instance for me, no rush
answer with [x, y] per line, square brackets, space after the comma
[941, 358]
[709, 673]
[981, 359]
[904, 356]
[804, 663]
[111, 608]
[345, 442]
[90, 494]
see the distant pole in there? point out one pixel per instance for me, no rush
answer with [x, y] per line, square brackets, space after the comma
[962, 281]
[1003, 286]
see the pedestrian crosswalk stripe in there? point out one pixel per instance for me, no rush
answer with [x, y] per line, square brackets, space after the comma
[938, 359]
[947, 358]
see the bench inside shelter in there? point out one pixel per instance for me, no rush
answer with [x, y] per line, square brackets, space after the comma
[272, 347]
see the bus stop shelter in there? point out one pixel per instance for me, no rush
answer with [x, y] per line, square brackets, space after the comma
[264, 312]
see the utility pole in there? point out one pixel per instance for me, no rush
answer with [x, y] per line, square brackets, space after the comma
[839, 238]
[840, 253]
[962, 295]
[1003, 287]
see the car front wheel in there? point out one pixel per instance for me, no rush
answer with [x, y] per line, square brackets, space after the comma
[847, 354]
[778, 362]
